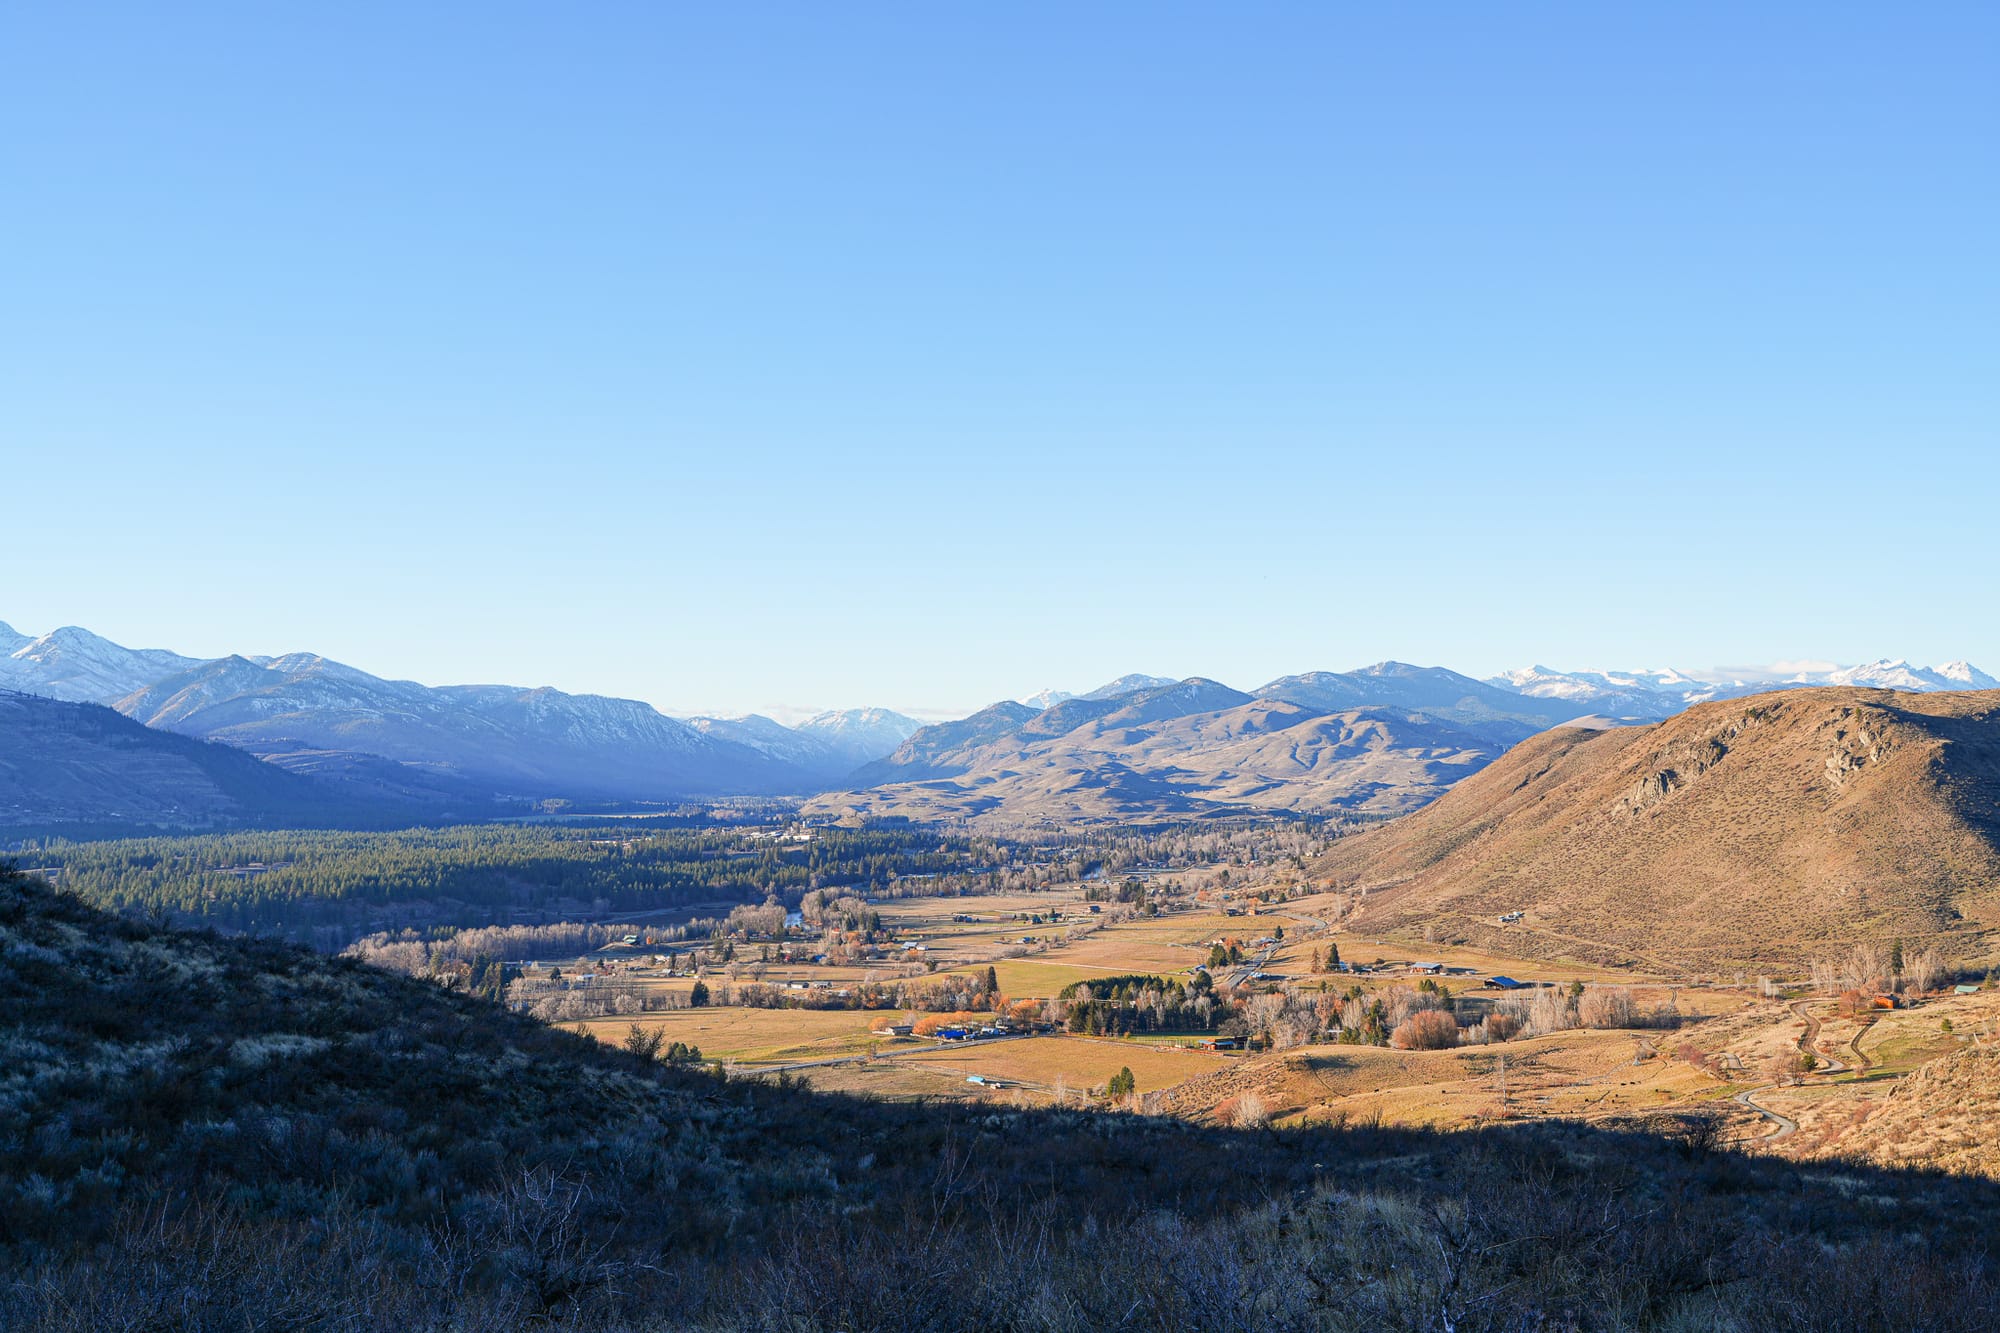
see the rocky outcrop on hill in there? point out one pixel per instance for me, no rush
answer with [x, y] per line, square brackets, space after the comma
[1757, 831]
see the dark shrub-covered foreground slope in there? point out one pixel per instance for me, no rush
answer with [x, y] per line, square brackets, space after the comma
[208, 1133]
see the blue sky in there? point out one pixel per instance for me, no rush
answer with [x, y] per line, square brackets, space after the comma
[772, 357]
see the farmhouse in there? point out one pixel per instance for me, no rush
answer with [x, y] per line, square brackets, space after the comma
[1507, 983]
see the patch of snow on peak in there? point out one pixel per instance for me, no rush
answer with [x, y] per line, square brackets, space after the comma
[1901, 674]
[1968, 676]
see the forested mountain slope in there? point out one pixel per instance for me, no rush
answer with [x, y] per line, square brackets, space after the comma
[1770, 829]
[79, 769]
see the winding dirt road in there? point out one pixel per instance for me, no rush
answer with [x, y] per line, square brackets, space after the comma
[1786, 1125]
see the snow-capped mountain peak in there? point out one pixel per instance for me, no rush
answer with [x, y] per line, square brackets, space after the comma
[1655, 694]
[74, 664]
[1968, 676]
[1130, 684]
[1901, 674]
[861, 735]
[771, 738]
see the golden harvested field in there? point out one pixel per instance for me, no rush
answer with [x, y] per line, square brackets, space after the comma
[1131, 949]
[1200, 925]
[1078, 1061]
[1732, 1038]
[1897, 1047]
[1568, 1074]
[753, 1036]
[1368, 948]
[903, 1080]
[1023, 978]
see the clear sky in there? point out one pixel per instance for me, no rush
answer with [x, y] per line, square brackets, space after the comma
[752, 356]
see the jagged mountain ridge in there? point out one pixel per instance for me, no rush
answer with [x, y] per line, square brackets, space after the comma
[1768, 829]
[309, 713]
[1900, 674]
[1501, 715]
[74, 664]
[1655, 695]
[803, 750]
[407, 740]
[512, 740]
[1131, 683]
[1379, 740]
[860, 735]
[1189, 749]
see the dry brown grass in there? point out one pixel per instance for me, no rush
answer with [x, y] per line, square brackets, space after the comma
[1752, 832]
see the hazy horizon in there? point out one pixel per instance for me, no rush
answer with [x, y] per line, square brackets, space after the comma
[791, 712]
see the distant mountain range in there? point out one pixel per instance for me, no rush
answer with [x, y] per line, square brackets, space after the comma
[82, 769]
[459, 743]
[1380, 739]
[824, 748]
[1652, 695]
[79, 666]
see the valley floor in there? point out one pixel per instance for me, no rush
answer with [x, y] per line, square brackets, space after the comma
[1733, 1059]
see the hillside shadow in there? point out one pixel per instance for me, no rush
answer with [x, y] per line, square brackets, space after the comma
[261, 1130]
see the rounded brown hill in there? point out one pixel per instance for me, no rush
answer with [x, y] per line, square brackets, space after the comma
[1765, 830]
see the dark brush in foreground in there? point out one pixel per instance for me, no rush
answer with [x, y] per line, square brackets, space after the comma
[220, 1133]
